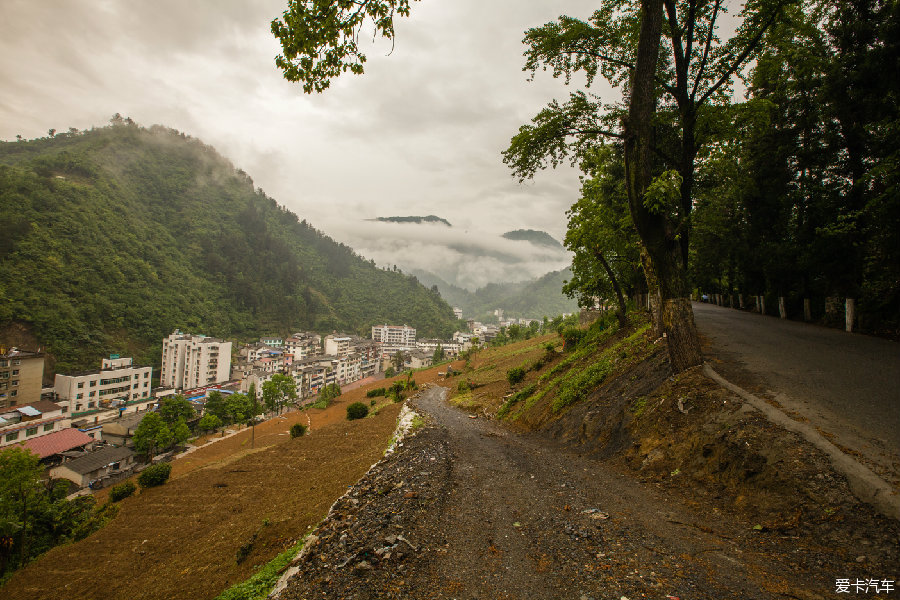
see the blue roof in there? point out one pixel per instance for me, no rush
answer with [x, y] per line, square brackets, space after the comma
[29, 411]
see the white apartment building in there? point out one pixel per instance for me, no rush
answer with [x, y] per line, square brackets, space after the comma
[117, 384]
[193, 361]
[394, 337]
[451, 348]
[457, 312]
[303, 345]
[337, 345]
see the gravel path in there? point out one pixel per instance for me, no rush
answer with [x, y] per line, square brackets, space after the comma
[466, 509]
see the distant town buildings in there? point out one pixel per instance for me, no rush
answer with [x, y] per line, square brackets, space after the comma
[192, 361]
[457, 312]
[21, 376]
[392, 338]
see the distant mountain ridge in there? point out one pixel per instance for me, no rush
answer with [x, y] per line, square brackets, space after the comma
[539, 238]
[112, 238]
[418, 220]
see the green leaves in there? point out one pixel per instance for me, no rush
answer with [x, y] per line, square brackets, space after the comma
[663, 192]
[319, 38]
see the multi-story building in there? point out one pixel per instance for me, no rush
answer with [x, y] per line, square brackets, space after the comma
[117, 384]
[272, 342]
[451, 348]
[303, 345]
[457, 312]
[394, 337]
[336, 345]
[21, 375]
[192, 361]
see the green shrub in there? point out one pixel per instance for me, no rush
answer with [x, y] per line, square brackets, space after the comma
[121, 491]
[515, 398]
[462, 386]
[374, 393]
[298, 430]
[572, 335]
[515, 375]
[357, 410]
[155, 475]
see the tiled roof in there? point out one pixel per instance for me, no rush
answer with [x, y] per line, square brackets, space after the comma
[59, 441]
[45, 406]
[95, 460]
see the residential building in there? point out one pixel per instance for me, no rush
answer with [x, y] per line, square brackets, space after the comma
[192, 361]
[118, 384]
[394, 337]
[119, 432]
[417, 360]
[24, 423]
[21, 376]
[451, 348]
[97, 469]
[272, 342]
[457, 312]
[303, 345]
[50, 447]
[336, 345]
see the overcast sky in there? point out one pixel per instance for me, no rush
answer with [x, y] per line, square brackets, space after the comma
[419, 133]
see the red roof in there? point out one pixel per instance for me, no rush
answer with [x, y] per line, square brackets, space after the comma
[56, 442]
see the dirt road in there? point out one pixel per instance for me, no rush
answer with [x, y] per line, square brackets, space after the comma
[467, 509]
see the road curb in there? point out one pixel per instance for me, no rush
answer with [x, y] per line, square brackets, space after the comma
[865, 484]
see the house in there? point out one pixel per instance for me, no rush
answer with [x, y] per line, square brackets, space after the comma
[119, 432]
[31, 421]
[51, 446]
[97, 469]
[417, 360]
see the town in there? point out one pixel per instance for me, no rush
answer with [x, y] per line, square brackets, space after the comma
[83, 426]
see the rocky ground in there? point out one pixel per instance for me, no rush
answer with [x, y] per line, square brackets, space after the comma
[468, 509]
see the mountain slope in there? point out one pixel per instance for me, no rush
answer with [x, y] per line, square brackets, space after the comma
[538, 238]
[112, 238]
[535, 299]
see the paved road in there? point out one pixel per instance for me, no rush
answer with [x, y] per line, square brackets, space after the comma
[847, 385]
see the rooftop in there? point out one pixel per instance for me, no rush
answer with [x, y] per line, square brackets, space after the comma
[57, 442]
[95, 460]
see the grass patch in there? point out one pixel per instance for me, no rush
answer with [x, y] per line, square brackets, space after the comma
[258, 586]
[514, 399]
[416, 423]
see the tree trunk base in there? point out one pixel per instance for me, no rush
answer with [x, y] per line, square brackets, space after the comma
[681, 334]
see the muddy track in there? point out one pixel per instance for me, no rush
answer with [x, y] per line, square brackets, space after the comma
[485, 513]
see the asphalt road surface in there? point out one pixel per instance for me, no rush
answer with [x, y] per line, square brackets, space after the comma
[846, 385]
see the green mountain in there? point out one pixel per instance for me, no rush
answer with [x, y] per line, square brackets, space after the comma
[538, 238]
[535, 299]
[416, 220]
[112, 238]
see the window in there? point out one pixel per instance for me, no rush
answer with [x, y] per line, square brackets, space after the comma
[92, 394]
[15, 382]
[12, 436]
[48, 427]
[145, 384]
[80, 384]
[79, 396]
[15, 372]
[90, 405]
[136, 376]
[146, 374]
[17, 362]
[14, 393]
[94, 383]
[31, 431]
[135, 386]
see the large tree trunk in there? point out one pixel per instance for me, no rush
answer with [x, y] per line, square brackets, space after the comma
[662, 245]
[622, 312]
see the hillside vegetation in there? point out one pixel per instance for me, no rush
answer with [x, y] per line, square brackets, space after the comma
[111, 238]
[537, 298]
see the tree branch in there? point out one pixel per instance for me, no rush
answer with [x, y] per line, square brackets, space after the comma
[678, 53]
[743, 55]
[712, 28]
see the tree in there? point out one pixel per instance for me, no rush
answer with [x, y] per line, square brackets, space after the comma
[152, 434]
[397, 360]
[319, 38]
[175, 408]
[209, 422]
[20, 489]
[601, 236]
[215, 405]
[237, 408]
[660, 146]
[180, 433]
[277, 391]
[438, 355]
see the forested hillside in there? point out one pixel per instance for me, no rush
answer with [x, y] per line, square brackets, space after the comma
[541, 297]
[111, 238]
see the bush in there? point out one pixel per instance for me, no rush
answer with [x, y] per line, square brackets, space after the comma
[515, 375]
[298, 430]
[375, 392]
[462, 386]
[155, 475]
[572, 335]
[121, 491]
[357, 410]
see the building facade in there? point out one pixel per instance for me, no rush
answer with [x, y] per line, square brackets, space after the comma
[117, 384]
[21, 376]
[24, 423]
[394, 337]
[193, 361]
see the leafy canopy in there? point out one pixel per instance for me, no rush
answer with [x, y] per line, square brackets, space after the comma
[320, 38]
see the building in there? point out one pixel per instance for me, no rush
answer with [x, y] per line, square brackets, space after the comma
[50, 447]
[23, 423]
[192, 361]
[303, 345]
[394, 337]
[119, 432]
[118, 384]
[451, 348]
[417, 360]
[21, 377]
[272, 341]
[97, 469]
[336, 345]
[457, 312]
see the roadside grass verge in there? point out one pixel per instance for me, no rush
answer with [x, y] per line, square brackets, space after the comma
[260, 584]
